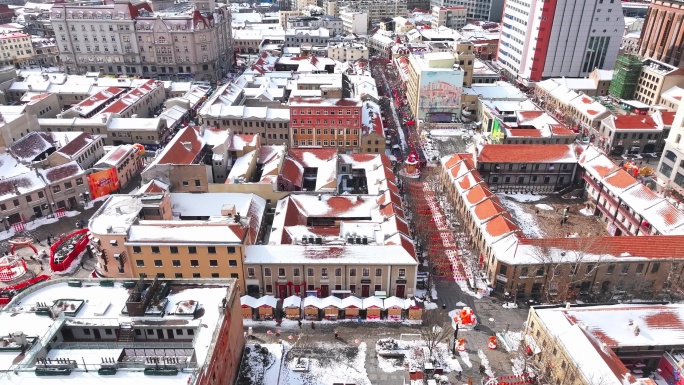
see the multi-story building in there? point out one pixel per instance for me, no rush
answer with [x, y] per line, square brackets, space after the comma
[596, 38]
[185, 40]
[325, 122]
[331, 23]
[297, 37]
[164, 234]
[476, 9]
[623, 203]
[556, 269]
[527, 167]
[670, 169]
[125, 159]
[615, 343]
[376, 10]
[662, 38]
[47, 53]
[450, 17]
[635, 134]
[162, 311]
[84, 149]
[654, 79]
[347, 51]
[140, 102]
[353, 21]
[17, 49]
[433, 89]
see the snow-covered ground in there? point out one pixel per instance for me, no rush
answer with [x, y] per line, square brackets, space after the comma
[587, 212]
[526, 222]
[524, 197]
[544, 206]
[415, 353]
[291, 366]
[37, 223]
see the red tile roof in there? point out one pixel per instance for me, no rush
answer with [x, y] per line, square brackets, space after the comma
[477, 194]
[76, 144]
[620, 179]
[527, 153]
[524, 132]
[488, 208]
[183, 148]
[65, 171]
[529, 115]
[668, 117]
[651, 246]
[454, 159]
[322, 154]
[126, 101]
[561, 130]
[502, 225]
[634, 122]
[98, 99]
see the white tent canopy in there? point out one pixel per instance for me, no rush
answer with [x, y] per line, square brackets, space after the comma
[292, 301]
[395, 302]
[372, 302]
[247, 300]
[331, 301]
[267, 300]
[352, 301]
[313, 301]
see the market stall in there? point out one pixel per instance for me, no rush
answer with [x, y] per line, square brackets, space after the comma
[351, 306]
[415, 312]
[312, 306]
[267, 305]
[331, 307]
[248, 305]
[373, 307]
[292, 306]
[395, 308]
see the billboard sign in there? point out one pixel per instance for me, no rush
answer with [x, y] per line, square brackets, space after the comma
[440, 95]
[103, 183]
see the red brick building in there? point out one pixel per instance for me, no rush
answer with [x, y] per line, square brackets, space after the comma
[327, 123]
[662, 36]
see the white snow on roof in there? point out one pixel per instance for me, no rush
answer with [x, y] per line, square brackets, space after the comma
[395, 302]
[327, 255]
[267, 300]
[352, 301]
[312, 301]
[241, 166]
[247, 300]
[210, 204]
[292, 301]
[372, 302]
[331, 301]
[184, 232]
[21, 318]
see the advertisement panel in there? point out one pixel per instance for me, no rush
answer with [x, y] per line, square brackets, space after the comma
[103, 183]
[439, 98]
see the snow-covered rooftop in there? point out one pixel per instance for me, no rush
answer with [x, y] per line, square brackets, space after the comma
[100, 305]
[326, 255]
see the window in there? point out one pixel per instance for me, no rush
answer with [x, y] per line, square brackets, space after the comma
[211, 250]
[155, 249]
[503, 269]
[524, 272]
[324, 272]
[231, 250]
[178, 275]
[402, 273]
[296, 272]
[338, 272]
[309, 272]
[250, 272]
[640, 268]
[378, 272]
[176, 263]
[197, 183]
[194, 263]
[67, 185]
[232, 263]
[56, 189]
[158, 263]
[281, 272]
[540, 272]
[161, 275]
[352, 272]
[216, 275]
[137, 249]
[267, 271]
[139, 263]
[625, 269]
[365, 272]
[655, 267]
[196, 275]
[173, 249]
[86, 332]
[611, 268]
[269, 288]
[213, 263]
[192, 250]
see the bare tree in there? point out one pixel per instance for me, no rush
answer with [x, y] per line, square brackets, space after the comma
[564, 273]
[435, 329]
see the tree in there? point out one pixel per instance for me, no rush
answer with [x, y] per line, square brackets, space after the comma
[435, 329]
[568, 267]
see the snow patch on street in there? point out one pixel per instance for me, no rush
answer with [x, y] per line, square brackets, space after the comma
[544, 206]
[524, 197]
[526, 222]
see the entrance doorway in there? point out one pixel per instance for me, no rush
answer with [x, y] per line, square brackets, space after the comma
[324, 291]
[96, 333]
[365, 291]
[400, 291]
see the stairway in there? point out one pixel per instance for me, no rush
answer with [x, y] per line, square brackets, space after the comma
[126, 333]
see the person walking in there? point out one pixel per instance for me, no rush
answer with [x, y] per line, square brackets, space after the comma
[313, 326]
[299, 322]
[337, 336]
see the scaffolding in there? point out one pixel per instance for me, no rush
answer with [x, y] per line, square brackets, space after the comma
[625, 77]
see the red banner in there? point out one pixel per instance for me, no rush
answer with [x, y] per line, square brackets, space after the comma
[77, 241]
[103, 183]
